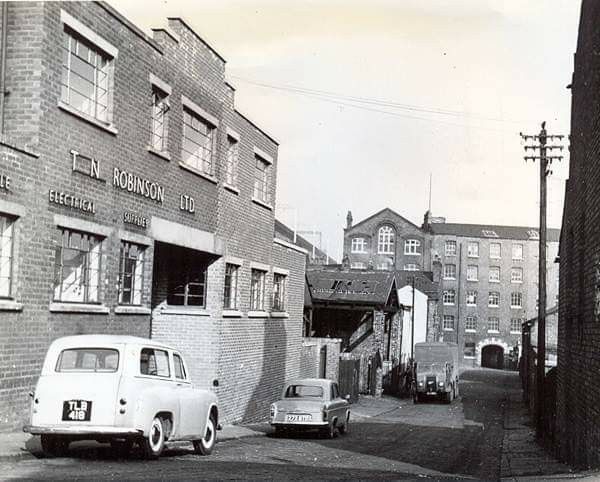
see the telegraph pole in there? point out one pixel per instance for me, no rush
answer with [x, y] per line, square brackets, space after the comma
[540, 145]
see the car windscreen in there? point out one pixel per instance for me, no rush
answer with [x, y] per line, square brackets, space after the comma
[301, 391]
[88, 360]
[430, 367]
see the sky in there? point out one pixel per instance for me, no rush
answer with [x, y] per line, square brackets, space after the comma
[369, 98]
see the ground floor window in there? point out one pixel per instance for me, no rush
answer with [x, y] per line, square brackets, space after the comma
[77, 267]
[131, 271]
[469, 351]
[187, 278]
[448, 322]
[257, 290]
[6, 252]
[231, 286]
[279, 282]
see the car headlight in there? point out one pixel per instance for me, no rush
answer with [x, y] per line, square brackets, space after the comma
[273, 410]
[420, 384]
[441, 384]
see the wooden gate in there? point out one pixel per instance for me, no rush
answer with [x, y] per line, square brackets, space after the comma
[348, 378]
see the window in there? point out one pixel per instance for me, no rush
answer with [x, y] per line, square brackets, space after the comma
[385, 242]
[178, 366]
[384, 266]
[515, 325]
[471, 297]
[469, 351]
[516, 300]
[257, 290]
[449, 297]
[516, 275]
[230, 286]
[6, 254]
[358, 265]
[86, 77]
[517, 252]
[448, 322]
[495, 250]
[494, 299]
[533, 234]
[494, 274]
[472, 272]
[359, 245]
[450, 248]
[131, 270]
[335, 393]
[449, 271]
[493, 324]
[231, 165]
[88, 360]
[160, 109]
[261, 180]
[411, 267]
[188, 286]
[77, 268]
[471, 323]
[154, 363]
[412, 246]
[301, 391]
[473, 249]
[279, 282]
[198, 142]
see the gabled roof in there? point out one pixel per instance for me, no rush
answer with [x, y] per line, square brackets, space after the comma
[491, 231]
[380, 213]
[360, 287]
[423, 281]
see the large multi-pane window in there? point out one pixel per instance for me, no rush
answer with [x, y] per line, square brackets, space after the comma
[517, 251]
[516, 300]
[494, 299]
[188, 286]
[472, 272]
[412, 246]
[450, 248]
[516, 275]
[515, 325]
[279, 282]
[449, 271]
[495, 250]
[261, 179]
[494, 274]
[449, 297]
[77, 267]
[473, 249]
[257, 290]
[6, 255]
[471, 323]
[231, 163]
[493, 324]
[385, 240]
[359, 245]
[198, 142]
[471, 297]
[469, 351]
[160, 109]
[131, 273]
[358, 265]
[448, 322]
[86, 71]
[231, 286]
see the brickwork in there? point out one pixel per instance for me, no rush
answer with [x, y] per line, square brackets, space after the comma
[311, 366]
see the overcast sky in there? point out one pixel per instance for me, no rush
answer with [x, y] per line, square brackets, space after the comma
[367, 98]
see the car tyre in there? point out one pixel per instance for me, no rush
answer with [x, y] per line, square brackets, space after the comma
[153, 445]
[54, 445]
[344, 429]
[330, 431]
[122, 448]
[205, 445]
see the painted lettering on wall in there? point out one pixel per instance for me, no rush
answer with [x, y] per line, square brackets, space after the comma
[135, 184]
[72, 201]
[5, 182]
[85, 165]
[187, 203]
[135, 219]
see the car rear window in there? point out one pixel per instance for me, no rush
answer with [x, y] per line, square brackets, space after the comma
[88, 360]
[297, 391]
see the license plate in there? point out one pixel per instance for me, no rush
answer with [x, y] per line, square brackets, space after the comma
[77, 411]
[298, 418]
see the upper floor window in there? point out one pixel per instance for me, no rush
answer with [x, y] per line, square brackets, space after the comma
[411, 267]
[449, 271]
[515, 325]
[279, 288]
[471, 297]
[261, 179]
[494, 299]
[412, 246]
[77, 267]
[517, 252]
[359, 245]
[516, 275]
[448, 322]
[449, 297]
[493, 324]
[257, 290]
[494, 274]
[160, 109]
[231, 163]
[358, 265]
[385, 241]
[131, 273]
[472, 272]
[6, 255]
[198, 144]
[473, 249]
[516, 300]
[450, 248]
[86, 77]
[471, 323]
[495, 250]
[230, 289]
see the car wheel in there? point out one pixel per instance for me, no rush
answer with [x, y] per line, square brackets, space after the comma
[205, 445]
[154, 443]
[122, 448]
[330, 431]
[344, 429]
[54, 445]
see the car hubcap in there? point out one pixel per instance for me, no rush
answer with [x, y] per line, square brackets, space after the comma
[210, 432]
[155, 435]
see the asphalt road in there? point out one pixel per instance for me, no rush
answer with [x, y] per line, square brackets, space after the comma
[425, 441]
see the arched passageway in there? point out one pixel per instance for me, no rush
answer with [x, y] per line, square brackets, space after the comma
[492, 356]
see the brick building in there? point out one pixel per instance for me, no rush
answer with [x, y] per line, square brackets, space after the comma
[135, 199]
[487, 276]
[577, 437]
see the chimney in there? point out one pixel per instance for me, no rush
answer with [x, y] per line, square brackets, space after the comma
[349, 220]
[426, 220]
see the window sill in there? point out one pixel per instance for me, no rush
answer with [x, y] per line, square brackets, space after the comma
[516, 307]
[516, 282]
[261, 203]
[470, 331]
[162, 154]
[182, 310]
[448, 304]
[258, 314]
[231, 188]
[231, 314]
[280, 314]
[358, 252]
[472, 305]
[58, 307]
[110, 128]
[494, 281]
[10, 305]
[449, 279]
[448, 329]
[468, 357]
[412, 254]
[493, 306]
[493, 331]
[512, 332]
[132, 310]
[198, 172]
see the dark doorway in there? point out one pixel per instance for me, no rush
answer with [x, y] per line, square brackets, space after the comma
[492, 356]
[323, 362]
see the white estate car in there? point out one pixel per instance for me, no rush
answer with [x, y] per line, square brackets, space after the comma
[119, 389]
[311, 403]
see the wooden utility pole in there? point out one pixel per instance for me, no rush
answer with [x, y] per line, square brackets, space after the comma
[540, 145]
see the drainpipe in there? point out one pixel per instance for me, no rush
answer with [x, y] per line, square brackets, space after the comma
[3, 64]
